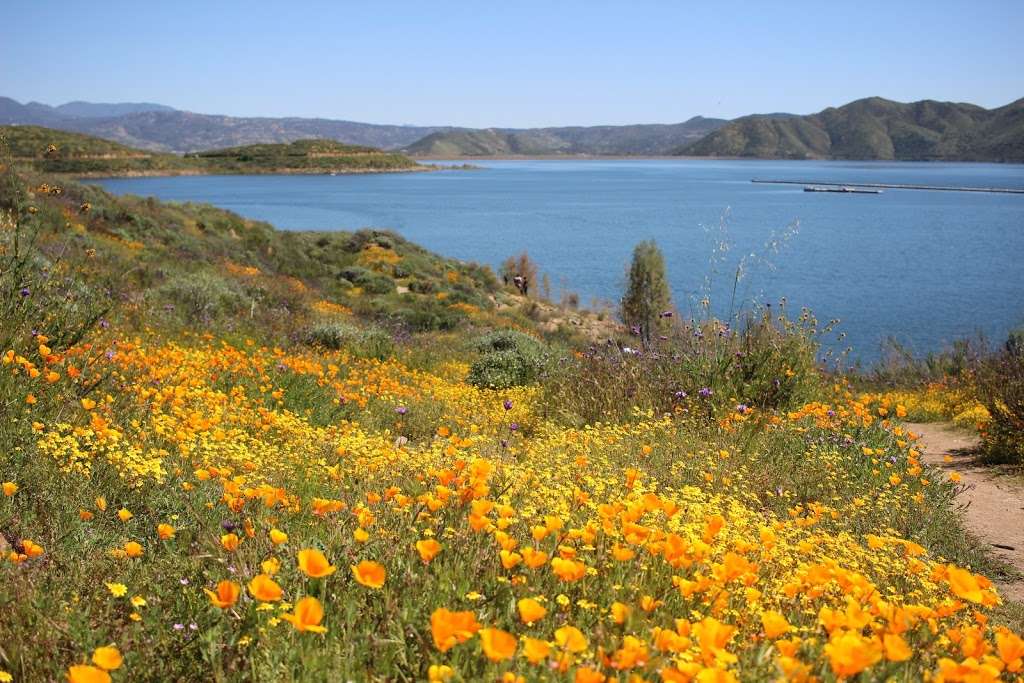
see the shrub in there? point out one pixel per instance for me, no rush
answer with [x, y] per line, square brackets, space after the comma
[500, 370]
[371, 282]
[422, 315]
[371, 342]
[507, 340]
[205, 296]
[1000, 386]
[421, 286]
[508, 359]
[332, 336]
[705, 369]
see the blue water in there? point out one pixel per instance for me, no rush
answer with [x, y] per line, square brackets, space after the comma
[925, 268]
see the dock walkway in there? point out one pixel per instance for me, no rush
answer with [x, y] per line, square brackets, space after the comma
[896, 186]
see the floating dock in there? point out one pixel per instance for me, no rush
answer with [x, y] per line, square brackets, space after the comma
[888, 186]
[844, 189]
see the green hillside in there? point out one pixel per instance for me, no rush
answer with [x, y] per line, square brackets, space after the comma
[640, 139]
[311, 156]
[488, 142]
[200, 264]
[53, 151]
[875, 128]
[243, 455]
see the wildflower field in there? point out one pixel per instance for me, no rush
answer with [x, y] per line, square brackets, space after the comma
[219, 498]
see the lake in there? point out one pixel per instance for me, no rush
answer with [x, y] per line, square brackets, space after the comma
[923, 267]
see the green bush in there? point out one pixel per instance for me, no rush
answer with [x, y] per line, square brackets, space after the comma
[1000, 386]
[205, 296]
[421, 286]
[508, 340]
[334, 336]
[508, 359]
[371, 282]
[371, 342]
[410, 314]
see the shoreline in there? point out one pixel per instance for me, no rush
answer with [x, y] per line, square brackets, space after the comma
[99, 175]
[657, 157]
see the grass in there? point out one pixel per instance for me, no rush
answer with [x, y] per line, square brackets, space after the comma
[182, 386]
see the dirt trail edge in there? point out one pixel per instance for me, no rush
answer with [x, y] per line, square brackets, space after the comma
[995, 502]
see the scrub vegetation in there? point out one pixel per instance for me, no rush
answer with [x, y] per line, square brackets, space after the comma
[231, 453]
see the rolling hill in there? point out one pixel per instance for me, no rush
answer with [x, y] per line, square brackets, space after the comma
[53, 151]
[638, 140]
[875, 128]
[159, 128]
[872, 128]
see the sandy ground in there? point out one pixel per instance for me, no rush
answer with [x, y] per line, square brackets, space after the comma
[994, 499]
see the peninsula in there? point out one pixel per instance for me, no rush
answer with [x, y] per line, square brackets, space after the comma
[52, 151]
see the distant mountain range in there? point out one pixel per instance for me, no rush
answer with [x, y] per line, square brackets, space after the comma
[875, 128]
[36, 113]
[158, 128]
[872, 128]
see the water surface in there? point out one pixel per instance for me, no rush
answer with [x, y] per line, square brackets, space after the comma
[923, 267]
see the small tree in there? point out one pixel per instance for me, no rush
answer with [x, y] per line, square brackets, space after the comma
[647, 301]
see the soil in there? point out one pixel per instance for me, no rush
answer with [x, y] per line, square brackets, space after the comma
[993, 497]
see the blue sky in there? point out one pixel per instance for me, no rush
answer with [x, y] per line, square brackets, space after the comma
[514, 63]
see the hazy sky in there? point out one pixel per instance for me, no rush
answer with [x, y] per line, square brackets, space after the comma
[510, 63]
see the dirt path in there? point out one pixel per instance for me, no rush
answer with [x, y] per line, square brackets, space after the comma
[995, 501]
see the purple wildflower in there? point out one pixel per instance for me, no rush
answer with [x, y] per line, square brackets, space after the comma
[401, 410]
[507, 404]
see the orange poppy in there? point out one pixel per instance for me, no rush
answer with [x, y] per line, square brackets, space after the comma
[307, 615]
[264, 588]
[370, 574]
[226, 595]
[428, 549]
[530, 610]
[451, 628]
[497, 644]
[313, 563]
